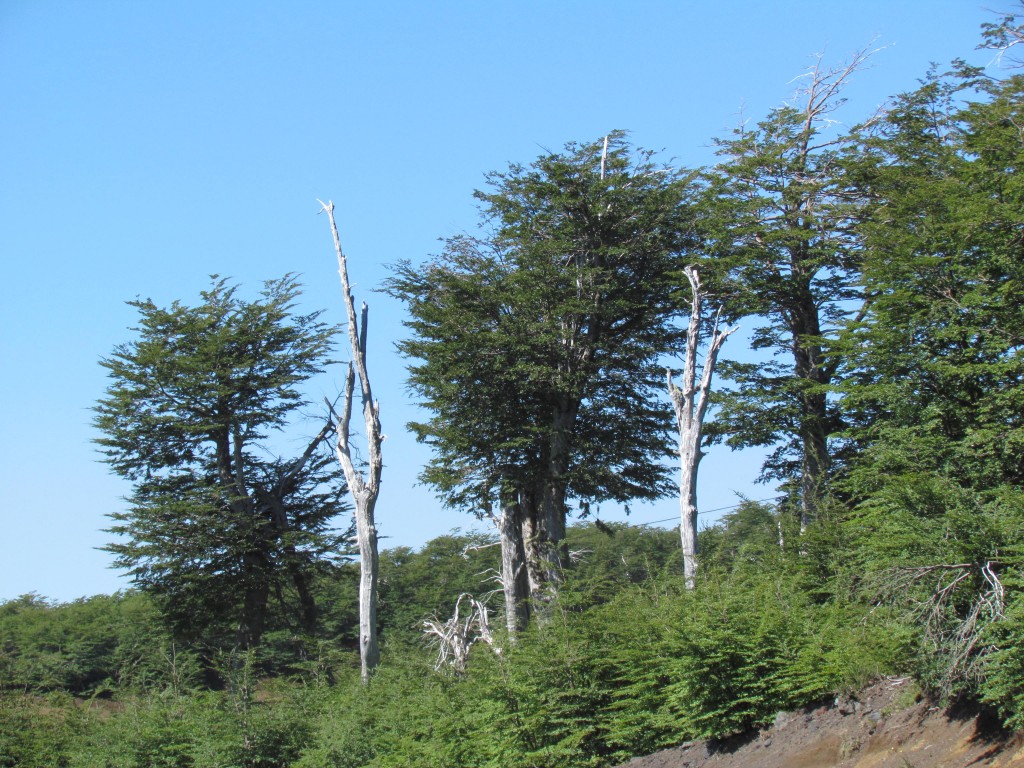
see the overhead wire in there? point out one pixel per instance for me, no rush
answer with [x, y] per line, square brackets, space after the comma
[716, 509]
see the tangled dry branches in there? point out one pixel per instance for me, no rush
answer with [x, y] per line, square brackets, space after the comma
[454, 636]
[955, 604]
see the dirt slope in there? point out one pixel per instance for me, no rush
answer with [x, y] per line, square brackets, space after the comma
[882, 727]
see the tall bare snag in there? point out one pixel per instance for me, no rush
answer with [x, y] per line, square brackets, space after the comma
[364, 488]
[690, 402]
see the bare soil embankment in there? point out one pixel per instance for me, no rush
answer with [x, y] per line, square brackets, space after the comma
[881, 727]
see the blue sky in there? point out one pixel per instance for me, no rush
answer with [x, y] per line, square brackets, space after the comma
[147, 145]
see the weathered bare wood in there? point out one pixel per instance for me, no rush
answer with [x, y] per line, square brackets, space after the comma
[363, 488]
[961, 638]
[456, 635]
[690, 403]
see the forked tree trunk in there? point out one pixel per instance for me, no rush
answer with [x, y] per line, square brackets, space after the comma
[690, 402]
[364, 490]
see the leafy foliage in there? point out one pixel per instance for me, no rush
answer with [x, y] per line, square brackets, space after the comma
[90, 647]
[216, 525]
[536, 349]
[781, 215]
[547, 332]
[935, 371]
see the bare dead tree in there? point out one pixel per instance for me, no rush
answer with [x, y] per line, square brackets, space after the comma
[364, 489]
[454, 636]
[932, 594]
[690, 403]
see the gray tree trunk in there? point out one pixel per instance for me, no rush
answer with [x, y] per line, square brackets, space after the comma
[366, 537]
[690, 402]
[364, 490]
[514, 575]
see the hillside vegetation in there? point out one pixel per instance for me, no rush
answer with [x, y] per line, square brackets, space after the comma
[882, 271]
[626, 661]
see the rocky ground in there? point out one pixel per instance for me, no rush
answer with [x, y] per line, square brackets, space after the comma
[885, 726]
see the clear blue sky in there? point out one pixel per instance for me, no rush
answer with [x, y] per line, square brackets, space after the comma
[147, 145]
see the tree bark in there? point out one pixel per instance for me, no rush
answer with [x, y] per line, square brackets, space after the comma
[529, 521]
[514, 575]
[366, 536]
[548, 524]
[254, 606]
[815, 461]
[813, 427]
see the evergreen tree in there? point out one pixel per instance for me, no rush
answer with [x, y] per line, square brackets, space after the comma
[936, 367]
[781, 211]
[537, 347]
[937, 358]
[216, 525]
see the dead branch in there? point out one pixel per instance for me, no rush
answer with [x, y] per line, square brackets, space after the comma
[955, 632]
[456, 635]
[476, 547]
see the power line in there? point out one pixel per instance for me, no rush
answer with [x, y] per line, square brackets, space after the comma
[717, 509]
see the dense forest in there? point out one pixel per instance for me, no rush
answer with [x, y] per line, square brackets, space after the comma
[881, 268]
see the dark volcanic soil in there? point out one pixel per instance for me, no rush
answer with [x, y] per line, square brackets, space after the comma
[881, 727]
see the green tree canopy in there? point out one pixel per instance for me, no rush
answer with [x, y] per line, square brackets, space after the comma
[937, 363]
[934, 372]
[781, 211]
[537, 347]
[216, 524]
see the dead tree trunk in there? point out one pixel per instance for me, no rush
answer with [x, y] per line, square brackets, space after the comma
[690, 402]
[364, 490]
